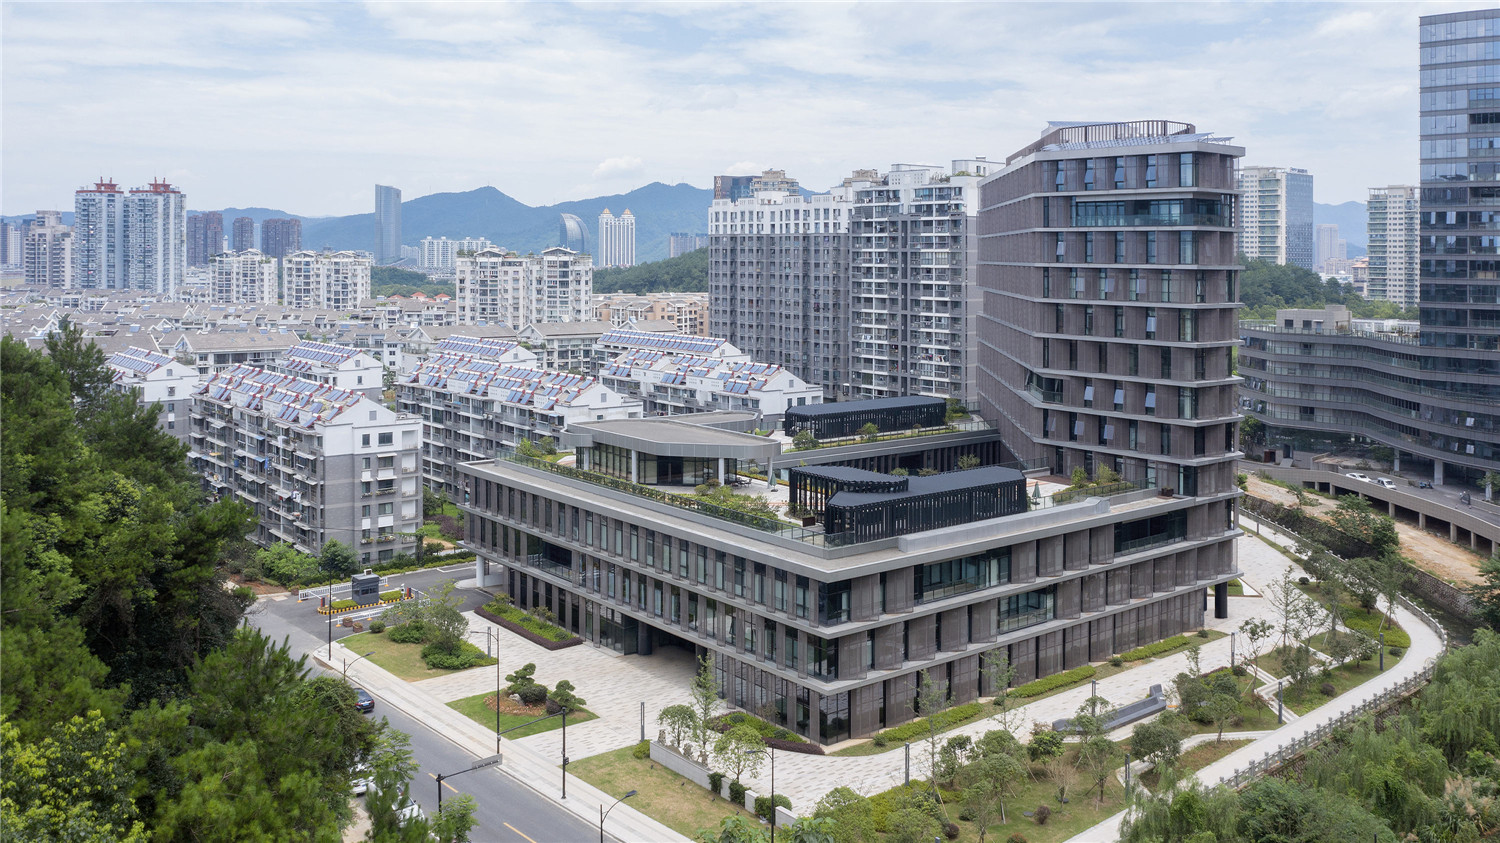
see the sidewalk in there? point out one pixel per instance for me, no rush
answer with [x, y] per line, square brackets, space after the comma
[1426, 645]
[523, 763]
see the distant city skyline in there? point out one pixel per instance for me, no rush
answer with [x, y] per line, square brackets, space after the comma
[646, 85]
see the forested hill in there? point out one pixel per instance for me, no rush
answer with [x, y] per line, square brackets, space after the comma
[1266, 286]
[687, 273]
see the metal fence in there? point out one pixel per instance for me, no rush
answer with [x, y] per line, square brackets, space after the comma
[1281, 755]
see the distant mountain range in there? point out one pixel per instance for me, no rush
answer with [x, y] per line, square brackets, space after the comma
[659, 210]
[1351, 219]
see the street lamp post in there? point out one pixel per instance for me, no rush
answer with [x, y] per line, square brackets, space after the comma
[1382, 652]
[603, 814]
[1279, 713]
[497, 696]
[347, 663]
[771, 751]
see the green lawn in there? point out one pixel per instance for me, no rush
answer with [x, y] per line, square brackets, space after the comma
[1236, 588]
[1197, 758]
[402, 660]
[1345, 677]
[660, 793]
[475, 709]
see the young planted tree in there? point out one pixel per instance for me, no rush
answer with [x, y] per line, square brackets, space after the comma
[999, 774]
[1257, 631]
[982, 803]
[1156, 742]
[740, 751]
[338, 559]
[678, 721]
[1098, 756]
[705, 698]
[931, 698]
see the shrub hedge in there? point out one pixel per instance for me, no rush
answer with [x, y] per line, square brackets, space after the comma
[342, 604]
[1155, 648]
[737, 792]
[763, 805]
[725, 722]
[468, 656]
[532, 623]
[1057, 680]
[942, 720]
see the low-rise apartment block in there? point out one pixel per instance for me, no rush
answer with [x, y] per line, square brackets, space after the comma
[613, 344]
[334, 365]
[565, 346]
[672, 384]
[243, 278]
[155, 378]
[314, 462]
[332, 280]
[472, 408]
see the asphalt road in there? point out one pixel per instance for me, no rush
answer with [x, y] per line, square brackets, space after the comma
[506, 810]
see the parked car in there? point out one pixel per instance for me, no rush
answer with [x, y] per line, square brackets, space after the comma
[1355, 475]
[364, 779]
[410, 811]
[364, 702]
[1385, 482]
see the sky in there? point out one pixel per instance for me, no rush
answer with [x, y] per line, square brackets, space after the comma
[305, 107]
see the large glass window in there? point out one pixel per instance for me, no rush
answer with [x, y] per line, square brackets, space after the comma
[833, 602]
[1022, 610]
[938, 580]
[1187, 170]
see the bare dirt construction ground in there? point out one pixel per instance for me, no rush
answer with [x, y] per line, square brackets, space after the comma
[1432, 553]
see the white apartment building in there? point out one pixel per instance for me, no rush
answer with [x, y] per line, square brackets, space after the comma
[499, 287]
[333, 365]
[565, 346]
[912, 293]
[247, 277]
[439, 253]
[506, 352]
[155, 378]
[155, 238]
[620, 341]
[616, 239]
[47, 252]
[331, 280]
[471, 408]
[670, 384]
[1394, 221]
[1276, 215]
[314, 462]
[215, 351]
[99, 237]
[779, 280]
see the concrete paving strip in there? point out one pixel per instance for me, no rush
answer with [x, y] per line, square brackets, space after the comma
[521, 763]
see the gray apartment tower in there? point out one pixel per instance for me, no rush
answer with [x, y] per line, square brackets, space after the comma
[387, 224]
[1433, 398]
[242, 234]
[1108, 276]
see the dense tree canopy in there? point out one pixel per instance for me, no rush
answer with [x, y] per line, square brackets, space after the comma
[1266, 286]
[686, 273]
[132, 704]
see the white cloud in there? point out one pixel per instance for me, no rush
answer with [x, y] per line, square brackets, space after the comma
[303, 107]
[618, 168]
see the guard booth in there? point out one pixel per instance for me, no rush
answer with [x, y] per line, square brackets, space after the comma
[366, 588]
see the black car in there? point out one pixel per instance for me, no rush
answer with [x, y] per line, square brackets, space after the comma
[364, 702]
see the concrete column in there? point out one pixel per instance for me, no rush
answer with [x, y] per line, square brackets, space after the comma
[1221, 600]
[1452, 532]
[1437, 472]
[1390, 508]
[1421, 520]
[722, 478]
[1396, 462]
[635, 466]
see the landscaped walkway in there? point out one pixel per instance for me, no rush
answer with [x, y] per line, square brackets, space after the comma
[1426, 645]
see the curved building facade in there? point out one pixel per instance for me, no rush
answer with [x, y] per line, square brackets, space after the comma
[571, 233]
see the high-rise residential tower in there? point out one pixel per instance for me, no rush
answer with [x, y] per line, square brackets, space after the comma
[616, 239]
[242, 236]
[99, 237]
[387, 224]
[1326, 245]
[572, 233]
[778, 281]
[47, 252]
[1392, 227]
[1108, 276]
[681, 242]
[156, 238]
[280, 237]
[1276, 215]
[913, 296]
[205, 237]
[439, 253]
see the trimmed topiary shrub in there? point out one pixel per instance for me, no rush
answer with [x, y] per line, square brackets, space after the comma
[1397, 651]
[1016, 837]
[534, 694]
[1042, 814]
[737, 792]
[879, 740]
[1116, 661]
[763, 805]
[950, 831]
[1327, 689]
[377, 626]
[716, 783]
[642, 750]
[1202, 633]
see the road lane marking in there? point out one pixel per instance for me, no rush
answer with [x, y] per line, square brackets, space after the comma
[518, 831]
